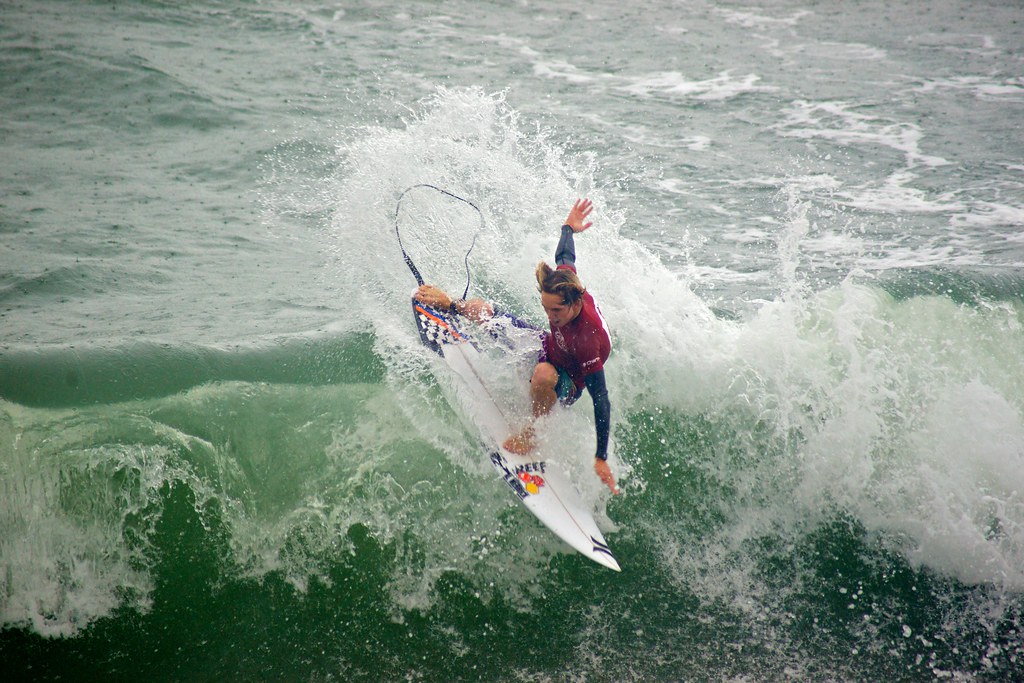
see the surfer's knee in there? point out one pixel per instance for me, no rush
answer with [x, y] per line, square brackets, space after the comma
[477, 310]
[545, 376]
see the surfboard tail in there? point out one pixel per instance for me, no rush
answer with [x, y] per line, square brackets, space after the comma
[602, 554]
[546, 491]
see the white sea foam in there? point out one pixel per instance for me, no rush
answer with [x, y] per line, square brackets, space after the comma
[907, 418]
[1005, 90]
[895, 196]
[983, 44]
[841, 122]
[793, 48]
[752, 20]
[850, 51]
[674, 84]
[643, 135]
[990, 215]
[563, 70]
[932, 470]
[958, 504]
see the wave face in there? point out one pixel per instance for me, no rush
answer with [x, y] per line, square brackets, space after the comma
[224, 452]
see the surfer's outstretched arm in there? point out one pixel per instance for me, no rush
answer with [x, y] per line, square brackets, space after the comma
[576, 221]
[598, 390]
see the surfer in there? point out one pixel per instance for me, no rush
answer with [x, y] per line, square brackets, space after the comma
[574, 349]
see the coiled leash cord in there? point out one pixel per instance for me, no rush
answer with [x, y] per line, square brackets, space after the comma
[398, 234]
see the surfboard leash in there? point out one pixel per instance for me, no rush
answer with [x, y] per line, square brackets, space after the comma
[398, 234]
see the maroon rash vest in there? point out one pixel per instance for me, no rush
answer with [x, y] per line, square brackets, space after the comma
[581, 347]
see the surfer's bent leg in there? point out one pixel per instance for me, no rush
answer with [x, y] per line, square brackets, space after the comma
[542, 397]
[542, 388]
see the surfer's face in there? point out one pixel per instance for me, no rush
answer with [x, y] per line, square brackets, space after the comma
[559, 313]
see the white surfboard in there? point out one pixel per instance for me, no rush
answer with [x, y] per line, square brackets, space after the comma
[543, 486]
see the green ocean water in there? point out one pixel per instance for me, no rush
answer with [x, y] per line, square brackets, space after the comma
[224, 454]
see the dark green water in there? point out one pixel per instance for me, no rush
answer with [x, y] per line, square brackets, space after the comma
[237, 542]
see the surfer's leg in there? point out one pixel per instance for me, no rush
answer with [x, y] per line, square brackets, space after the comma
[543, 388]
[542, 397]
[568, 393]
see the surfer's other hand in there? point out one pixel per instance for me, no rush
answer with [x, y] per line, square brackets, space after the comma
[433, 296]
[605, 474]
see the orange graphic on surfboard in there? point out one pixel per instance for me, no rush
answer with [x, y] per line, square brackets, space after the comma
[533, 482]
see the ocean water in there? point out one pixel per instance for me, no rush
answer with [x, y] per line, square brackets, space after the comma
[225, 456]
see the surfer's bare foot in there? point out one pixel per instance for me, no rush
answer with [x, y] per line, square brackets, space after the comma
[605, 474]
[521, 443]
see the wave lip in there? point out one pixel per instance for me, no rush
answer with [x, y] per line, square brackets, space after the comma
[57, 376]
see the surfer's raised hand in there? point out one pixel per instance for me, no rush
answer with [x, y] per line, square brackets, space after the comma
[577, 218]
[605, 474]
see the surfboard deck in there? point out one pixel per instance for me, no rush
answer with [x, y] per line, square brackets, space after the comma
[542, 485]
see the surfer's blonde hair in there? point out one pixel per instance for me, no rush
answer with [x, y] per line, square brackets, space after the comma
[562, 282]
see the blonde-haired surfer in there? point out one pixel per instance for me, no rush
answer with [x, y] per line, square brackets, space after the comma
[575, 348]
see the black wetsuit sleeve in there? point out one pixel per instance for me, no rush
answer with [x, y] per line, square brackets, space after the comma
[602, 410]
[565, 252]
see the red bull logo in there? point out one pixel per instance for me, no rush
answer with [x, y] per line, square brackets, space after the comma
[524, 480]
[531, 482]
